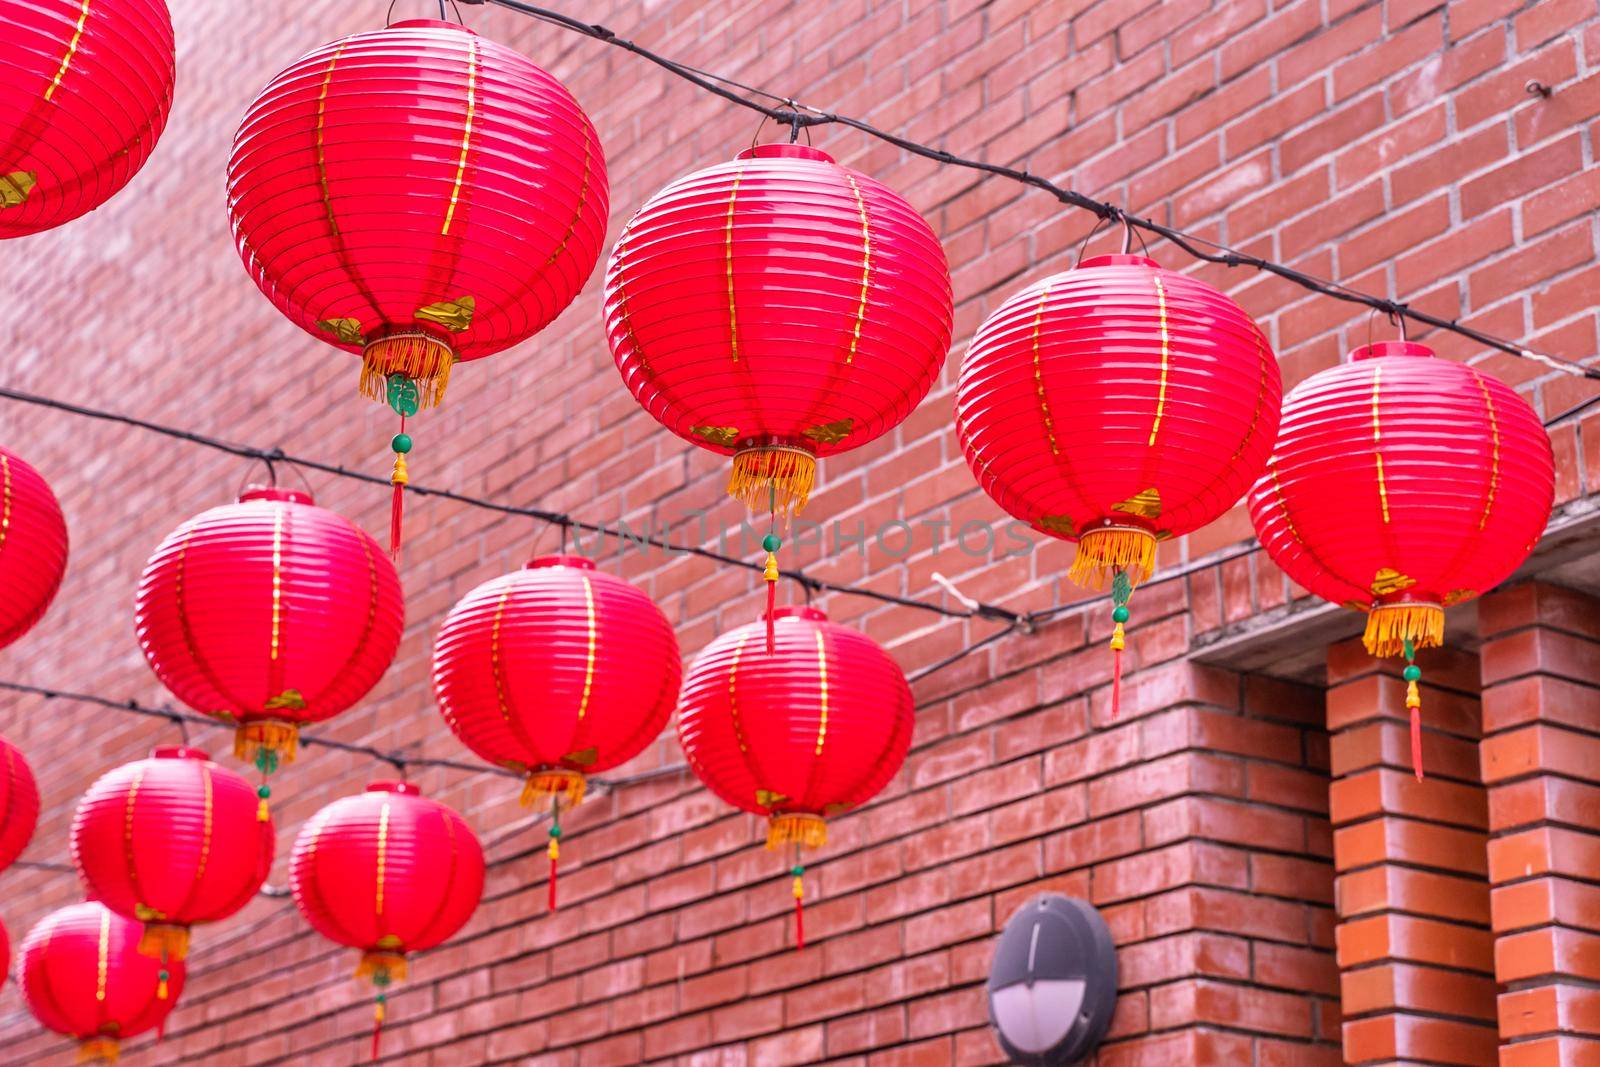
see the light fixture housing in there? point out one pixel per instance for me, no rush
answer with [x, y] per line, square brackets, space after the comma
[1053, 982]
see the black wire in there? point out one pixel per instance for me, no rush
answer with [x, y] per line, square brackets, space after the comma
[797, 115]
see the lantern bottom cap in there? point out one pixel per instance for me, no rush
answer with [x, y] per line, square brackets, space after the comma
[553, 783]
[1390, 626]
[1104, 552]
[775, 478]
[797, 827]
[422, 357]
[164, 941]
[282, 739]
[382, 965]
[100, 1049]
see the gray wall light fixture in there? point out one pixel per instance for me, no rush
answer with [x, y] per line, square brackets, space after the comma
[1053, 982]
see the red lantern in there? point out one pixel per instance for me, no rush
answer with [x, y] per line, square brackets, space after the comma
[778, 308]
[814, 729]
[19, 803]
[172, 841]
[269, 613]
[421, 196]
[33, 545]
[556, 671]
[1402, 484]
[1117, 405]
[83, 975]
[387, 871]
[5, 954]
[86, 86]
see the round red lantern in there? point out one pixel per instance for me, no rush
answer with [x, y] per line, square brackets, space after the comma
[83, 975]
[556, 671]
[777, 309]
[813, 730]
[172, 841]
[19, 803]
[269, 613]
[1402, 484]
[5, 954]
[33, 544]
[421, 196]
[388, 871]
[1116, 405]
[86, 87]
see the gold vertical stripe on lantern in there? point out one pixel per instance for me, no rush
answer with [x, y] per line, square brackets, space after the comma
[583, 200]
[127, 832]
[1377, 447]
[594, 640]
[495, 668]
[5, 508]
[822, 689]
[277, 578]
[322, 159]
[1038, 372]
[1494, 448]
[733, 681]
[466, 131]
[72, 50]
[205, 828]
[866, 266]
[733, 308]
[383, 853]
[104, 955]
[1166, 356]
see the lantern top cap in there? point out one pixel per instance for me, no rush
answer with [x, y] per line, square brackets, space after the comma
[1390, 348]
[179, 752]
[779, 150]
[275, 492]
[560, 560]
[1117, 259]
[799, 611]
[394, 785]
[405, 24]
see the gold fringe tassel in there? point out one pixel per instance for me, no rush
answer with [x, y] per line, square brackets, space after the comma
[797, 828]
[421, 357]
[104, 1049]
[778, 478]
[392, 964]
[1390, 625]
[557, 782]
[282, 738]
[164, 940]
[1104, 552]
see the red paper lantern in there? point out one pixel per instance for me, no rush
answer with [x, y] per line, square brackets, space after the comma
[1117, 404]
[83, 975]
[1402, 484]
[19, 803]
[776, 309]
[269, 613]
[814, 729]
[556, 671]
[33, 545]
[85, 87]
[5, 954]
[388, 871]
[421, 196]
[172, 841]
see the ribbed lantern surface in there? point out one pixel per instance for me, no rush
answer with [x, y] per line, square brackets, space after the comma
[557, 670]
[778, 308]
[1402, 484]
[419, 194]
[172, 841]
[82, 975]
[85, 88]
[388, 871]
[1116, 405]
[269, 613]
[33, 542]
[19, 803]
[812, 730]
[5, 954]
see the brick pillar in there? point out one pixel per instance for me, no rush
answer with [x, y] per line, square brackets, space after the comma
[1414, 946]
[1541, 761]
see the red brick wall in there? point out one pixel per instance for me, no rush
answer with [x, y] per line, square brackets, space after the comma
[1389, 144]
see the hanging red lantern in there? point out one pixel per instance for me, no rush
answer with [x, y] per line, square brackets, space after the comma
[389, 872]
[813, 730]
[778, 308]
[556, 671]
[172, 841]
[33, 544]
[1402, 484]
[421, 196]
[86, 85]
[1116, 405]
[267, 614]
[5, 954]
[19, 803]
[83, 975]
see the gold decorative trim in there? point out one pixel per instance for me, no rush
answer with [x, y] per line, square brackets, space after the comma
[383, 852]
[466, 132]
[5, 504]
[322, 157]
[105, 947]
[822, 688]
[1058, 524]
[16, 186]
[1145, 504]
[494, 658]
[454, 315]
[66, 61]
[831, 433]
[347, 330]
[1038, 372]
[1377, 451]
[1166, 358]
[733, 701]
[594, 640]
[718, 435]
[1388, 580]
[866, 267]
[577, 216]
[277, 579]
[1494, 456]
[733, 308]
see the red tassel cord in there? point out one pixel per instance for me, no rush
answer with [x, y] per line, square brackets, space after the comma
[1121, 591]
[398, 478]
[380, 979]
[1412, 675]
[771, 544]
[799, 902]
[554, 851]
